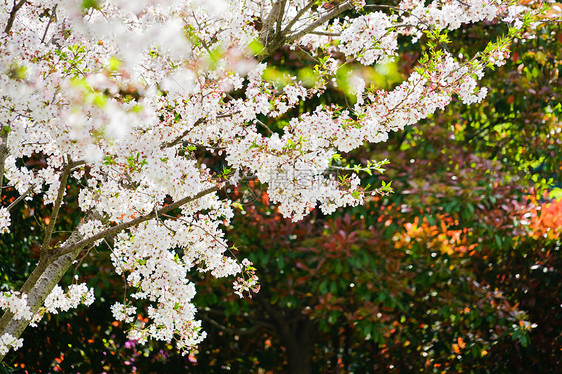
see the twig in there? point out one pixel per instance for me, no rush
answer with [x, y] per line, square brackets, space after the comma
[51, 17]
[217, 239]
[325, 33]
[308, 54]
[264, 126]
[230, 330]
[162, 222]
[463, 3]
[205, 146]
[400, 10]
[178, 140]
[20, 198]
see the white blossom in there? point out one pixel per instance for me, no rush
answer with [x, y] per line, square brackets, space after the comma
[15, 303]
[7, 342]
[76, 294]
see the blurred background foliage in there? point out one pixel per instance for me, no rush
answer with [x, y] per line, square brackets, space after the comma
[458, 270]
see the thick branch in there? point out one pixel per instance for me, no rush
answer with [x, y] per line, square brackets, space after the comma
[274, 42]
[280, 14]
[282, 37]
[56, 207]
[298, 16]
[50, 270]
[333, 13]
[125, 225]
[268, 23]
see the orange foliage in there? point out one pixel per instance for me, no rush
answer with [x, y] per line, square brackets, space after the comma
[459, 345]
[437, 237]
[546, 220]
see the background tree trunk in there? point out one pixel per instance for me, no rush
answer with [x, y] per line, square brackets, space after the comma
[299, 356]
[299, 346]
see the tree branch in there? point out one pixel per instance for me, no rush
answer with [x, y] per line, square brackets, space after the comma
[37, 287]
[3, 154]
[125, 225]
[56, 207]
[325, 33]
[11, 19]
[205, 146]
[269, 131]
[279, 17]
[178, 140]
[20, 198]
[298, 16]
[333, 13]
[230, 330]
[268, 23]
[275, 16]
[221, 313]
[52, 16]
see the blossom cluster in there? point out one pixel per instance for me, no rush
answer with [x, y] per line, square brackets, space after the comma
[59, 300]
[15, 303]
[7, 342]
[449, 14]
[157, 274]
[249, 283]
[77, 294]
[368, 38]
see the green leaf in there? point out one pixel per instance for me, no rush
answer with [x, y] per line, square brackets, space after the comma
[87, 4]
[256, 47]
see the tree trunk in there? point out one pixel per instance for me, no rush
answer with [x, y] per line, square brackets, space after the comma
[299, 346]
[299, 358]
[295, 330]
[38, 286]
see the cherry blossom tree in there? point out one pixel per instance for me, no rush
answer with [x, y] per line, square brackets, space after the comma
[120, 98]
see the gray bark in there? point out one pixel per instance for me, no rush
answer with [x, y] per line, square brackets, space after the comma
[38, 286]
